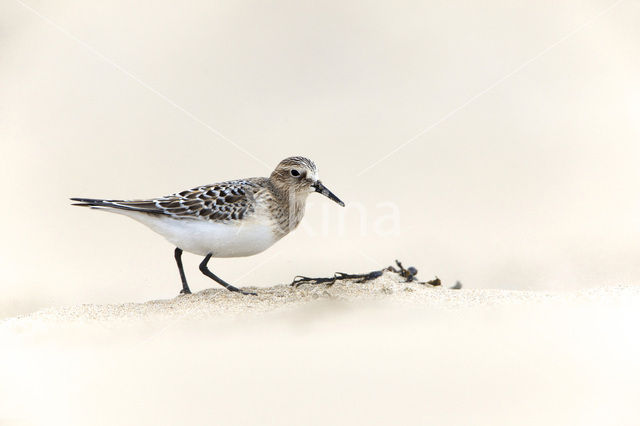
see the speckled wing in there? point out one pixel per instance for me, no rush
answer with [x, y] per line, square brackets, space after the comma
[220, 202]
[224, 201]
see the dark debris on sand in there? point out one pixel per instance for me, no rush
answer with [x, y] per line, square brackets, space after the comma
[409, 274]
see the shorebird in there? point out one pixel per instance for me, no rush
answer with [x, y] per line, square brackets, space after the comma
[228, 219]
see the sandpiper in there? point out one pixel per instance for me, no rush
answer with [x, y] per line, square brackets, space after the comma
[228, 219]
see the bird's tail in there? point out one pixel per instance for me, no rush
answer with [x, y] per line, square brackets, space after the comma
[91, 202]
[143, 206]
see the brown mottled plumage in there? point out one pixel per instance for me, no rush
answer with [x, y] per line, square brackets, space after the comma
[222, 201]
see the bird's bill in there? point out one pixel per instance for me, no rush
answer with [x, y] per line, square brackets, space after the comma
[319, 187]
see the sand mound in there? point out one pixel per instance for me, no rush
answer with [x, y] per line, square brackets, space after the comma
[219, 303]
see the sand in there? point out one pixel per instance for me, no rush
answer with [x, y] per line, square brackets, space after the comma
[381, 352]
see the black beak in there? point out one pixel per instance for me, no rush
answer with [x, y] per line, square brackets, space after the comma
[319, 187]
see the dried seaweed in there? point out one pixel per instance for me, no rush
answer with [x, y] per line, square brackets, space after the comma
[409, 274]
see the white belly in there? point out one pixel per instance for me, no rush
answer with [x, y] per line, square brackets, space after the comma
[246, 238]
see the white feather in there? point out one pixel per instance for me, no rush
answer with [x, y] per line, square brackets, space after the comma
[232, 239]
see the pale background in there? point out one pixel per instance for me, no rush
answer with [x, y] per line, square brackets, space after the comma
[529, 178]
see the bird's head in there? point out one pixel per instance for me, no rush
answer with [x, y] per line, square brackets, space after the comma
[299, 176]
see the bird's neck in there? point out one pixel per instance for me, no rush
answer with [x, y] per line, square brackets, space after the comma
[296, 210]
[291, 209]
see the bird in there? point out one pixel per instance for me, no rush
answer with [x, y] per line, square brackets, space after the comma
[235, 218]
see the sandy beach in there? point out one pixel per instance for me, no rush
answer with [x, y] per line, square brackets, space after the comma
[379, 352]
[495, 143]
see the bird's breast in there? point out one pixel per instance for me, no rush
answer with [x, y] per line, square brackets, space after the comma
[231, 239]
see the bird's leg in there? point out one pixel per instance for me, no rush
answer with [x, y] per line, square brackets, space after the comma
[207, 272]
[185, 286]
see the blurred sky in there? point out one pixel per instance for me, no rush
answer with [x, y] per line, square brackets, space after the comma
[526, 176]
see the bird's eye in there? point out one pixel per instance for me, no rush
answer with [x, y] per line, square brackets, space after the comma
[295, 173]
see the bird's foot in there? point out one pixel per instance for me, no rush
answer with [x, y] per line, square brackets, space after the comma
[185, 291]
[237, 290]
